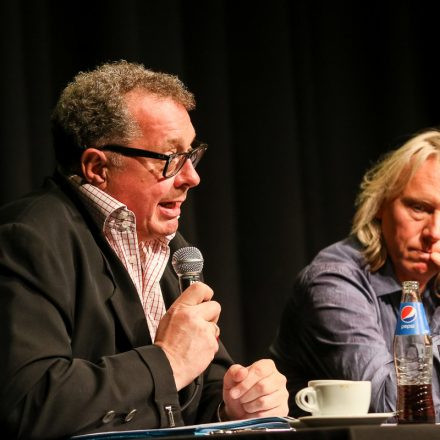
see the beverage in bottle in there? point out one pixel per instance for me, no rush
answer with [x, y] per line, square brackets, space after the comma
[413, 359]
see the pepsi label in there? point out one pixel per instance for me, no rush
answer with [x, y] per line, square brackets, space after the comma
[412, 319]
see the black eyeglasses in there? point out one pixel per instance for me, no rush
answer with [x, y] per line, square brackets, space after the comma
[174, 162]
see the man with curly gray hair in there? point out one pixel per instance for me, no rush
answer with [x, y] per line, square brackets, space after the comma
[340, 321]
[94, 333]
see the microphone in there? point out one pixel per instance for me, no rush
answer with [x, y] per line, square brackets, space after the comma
[188, 265]
[187, 262]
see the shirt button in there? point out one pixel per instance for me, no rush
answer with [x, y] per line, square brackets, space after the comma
[123, 215]
[125, 224]
[130, 415]
[132, 259]
[109, 416]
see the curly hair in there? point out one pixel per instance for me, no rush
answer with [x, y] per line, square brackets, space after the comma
[383, 182]
[91, 110]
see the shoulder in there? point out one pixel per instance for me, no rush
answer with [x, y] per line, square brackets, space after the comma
[45, 218]
[343, 257]
[338, 272]
[42, 205]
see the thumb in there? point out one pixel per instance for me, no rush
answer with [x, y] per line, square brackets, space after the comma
[195, 294]
[235, 374]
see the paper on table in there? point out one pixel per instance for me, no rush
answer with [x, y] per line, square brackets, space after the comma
[257, 424]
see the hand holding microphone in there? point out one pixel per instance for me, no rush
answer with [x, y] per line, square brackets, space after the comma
[188, 264]
[188, 331]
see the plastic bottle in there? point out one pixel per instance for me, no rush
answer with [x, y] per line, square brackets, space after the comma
[413, 359]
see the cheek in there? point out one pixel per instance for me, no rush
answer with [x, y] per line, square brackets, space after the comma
[394, 233]
[153, 195]
[399, 225]
[142, 201]
[409, 229]
[406, 237]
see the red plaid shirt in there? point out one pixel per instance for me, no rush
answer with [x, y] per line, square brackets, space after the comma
[144, 261]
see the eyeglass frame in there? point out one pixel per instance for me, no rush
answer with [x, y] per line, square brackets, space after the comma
[139, 152]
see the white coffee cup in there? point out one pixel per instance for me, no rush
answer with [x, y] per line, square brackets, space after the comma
[335, 397]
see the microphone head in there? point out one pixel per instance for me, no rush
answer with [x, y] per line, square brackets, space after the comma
[187, 260]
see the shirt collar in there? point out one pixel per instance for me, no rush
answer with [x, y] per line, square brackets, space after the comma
[102, 206]
[384, 281]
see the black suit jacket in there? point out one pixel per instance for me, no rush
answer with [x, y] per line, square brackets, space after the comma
[75, 351]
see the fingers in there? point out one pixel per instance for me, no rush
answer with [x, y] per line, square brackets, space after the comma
[435, 257]
[196, 301]
[255, 374]
[256, 391]
[266, 405]
[216, 331]
[209, 311]
[195, 294]
[188, 333]
[236, 374]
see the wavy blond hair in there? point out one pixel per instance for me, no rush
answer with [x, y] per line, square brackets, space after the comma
[383, 182]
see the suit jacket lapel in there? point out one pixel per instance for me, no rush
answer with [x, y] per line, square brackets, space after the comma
[126, 303]
[169, 283]
[125, 299]
[169, 286]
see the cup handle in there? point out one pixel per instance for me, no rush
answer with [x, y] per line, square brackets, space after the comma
[306, 399]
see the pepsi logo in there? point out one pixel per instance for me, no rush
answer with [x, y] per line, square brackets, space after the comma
[408, 314]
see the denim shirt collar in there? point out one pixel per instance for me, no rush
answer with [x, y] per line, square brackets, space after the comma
[384, 281]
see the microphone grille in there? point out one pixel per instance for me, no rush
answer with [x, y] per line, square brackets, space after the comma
[187, 260]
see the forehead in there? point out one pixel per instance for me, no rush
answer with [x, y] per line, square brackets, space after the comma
[425, 181]
[145, 105]
[159, 119]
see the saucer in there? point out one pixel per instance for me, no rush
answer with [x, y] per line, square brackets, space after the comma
[366, 419]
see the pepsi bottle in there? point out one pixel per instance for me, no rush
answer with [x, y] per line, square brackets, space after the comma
[413, 359]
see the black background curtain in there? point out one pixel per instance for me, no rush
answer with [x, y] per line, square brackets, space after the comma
[295, 98]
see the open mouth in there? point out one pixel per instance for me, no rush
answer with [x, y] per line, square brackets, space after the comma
[170, 209]
[169, 205]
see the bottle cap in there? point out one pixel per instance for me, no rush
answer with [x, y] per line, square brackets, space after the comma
[410, 285]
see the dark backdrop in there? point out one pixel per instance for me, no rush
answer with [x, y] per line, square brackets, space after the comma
[295, 98]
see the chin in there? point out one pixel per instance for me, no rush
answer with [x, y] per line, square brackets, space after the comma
[419, 269]
[170, 228]
[422, 272]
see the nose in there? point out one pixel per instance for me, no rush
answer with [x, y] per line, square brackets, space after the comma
[432, 227]
[187, 176]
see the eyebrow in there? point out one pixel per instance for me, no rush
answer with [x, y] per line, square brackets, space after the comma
[178, 144]
[410, 199]
[407, 200]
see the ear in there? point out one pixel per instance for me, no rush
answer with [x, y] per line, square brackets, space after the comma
[94, 167]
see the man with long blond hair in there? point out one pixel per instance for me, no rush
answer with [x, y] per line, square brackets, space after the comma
[340, 321]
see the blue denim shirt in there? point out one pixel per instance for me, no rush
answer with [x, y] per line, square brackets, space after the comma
[340, 322]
